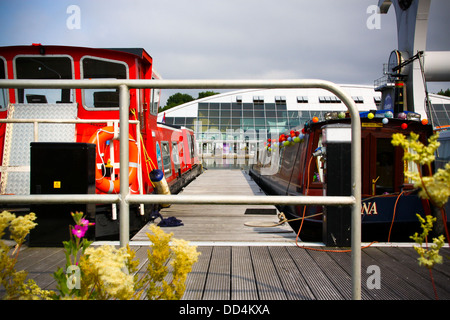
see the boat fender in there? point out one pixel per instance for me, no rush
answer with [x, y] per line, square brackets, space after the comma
[160, 183]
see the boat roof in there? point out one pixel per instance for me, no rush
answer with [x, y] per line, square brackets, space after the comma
[139, 52]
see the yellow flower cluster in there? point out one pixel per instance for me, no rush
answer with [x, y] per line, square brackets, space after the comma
[104, 270]
[436, 188]
[181, 256]
[423, 154]
[428, 256]
[21, 226]
[13, 281]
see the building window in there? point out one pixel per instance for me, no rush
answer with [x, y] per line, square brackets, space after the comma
[329, 99]
[302, 99]
[258, 99]
[358, 99]
[280, 100]
[169, 120]
[377, 101]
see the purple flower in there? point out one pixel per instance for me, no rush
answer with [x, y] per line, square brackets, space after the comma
[86, 223]
[79, 231]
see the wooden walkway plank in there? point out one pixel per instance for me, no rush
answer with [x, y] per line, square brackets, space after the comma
[196, 279]
[321, 286]
[419, 283]
[293, 279]
[217, 286]
[224, 222]
[45, 269]
[392, 280]
[344, 260]
[267, 280]
[243, 282]
[441, 274]
[339, 277]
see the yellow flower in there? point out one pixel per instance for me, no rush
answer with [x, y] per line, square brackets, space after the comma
[108, 265]
[21, 226]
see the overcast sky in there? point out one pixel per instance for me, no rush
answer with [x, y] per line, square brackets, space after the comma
[227, 39]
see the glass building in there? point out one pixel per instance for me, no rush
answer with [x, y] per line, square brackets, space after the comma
[231, 126]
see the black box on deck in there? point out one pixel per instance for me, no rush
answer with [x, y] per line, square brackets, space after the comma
[337, 219]
[60, 168]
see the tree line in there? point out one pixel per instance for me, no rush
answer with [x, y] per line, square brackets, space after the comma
[180, 98]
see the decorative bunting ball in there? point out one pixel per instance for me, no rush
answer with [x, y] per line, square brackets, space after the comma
[404, 126]
[388, 114]
[341, 115]
[402, 115]
[424, 121]
[370, 115]
[315, 119]
[296, 139]
[385, 120]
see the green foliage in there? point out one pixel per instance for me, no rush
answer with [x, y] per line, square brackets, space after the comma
[177, 99]
[205, 94]
[74, 249]
[444, 93]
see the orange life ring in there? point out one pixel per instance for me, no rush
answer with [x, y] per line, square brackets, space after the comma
[103, 183]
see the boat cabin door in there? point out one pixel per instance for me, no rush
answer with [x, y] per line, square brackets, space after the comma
[381, 164]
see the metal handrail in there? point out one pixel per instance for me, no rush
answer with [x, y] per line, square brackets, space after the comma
[124, 198]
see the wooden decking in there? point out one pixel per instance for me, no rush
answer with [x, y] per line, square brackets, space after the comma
[281, 273]
[241, 261]
[224, 222]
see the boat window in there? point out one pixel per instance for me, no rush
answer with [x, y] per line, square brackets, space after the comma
[3, 91]
[37, 67]
[166, 158]
[192, 147]
[175, 155]
[318, 176]
[156, 94]
[384, 180]
[96, 68]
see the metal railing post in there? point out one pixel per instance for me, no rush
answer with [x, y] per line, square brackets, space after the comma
[124, 214]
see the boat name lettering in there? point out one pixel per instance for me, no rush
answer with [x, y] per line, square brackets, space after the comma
[369, 208]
